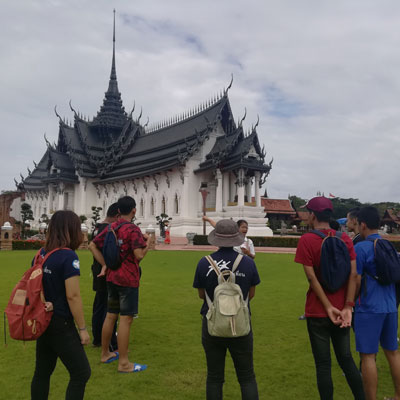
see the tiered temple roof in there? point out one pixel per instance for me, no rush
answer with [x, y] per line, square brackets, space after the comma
[113, 146]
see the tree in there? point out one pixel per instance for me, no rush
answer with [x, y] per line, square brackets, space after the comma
[44, 218]
[95, 216]
[26, 215]
[162, 221]
[297, 202]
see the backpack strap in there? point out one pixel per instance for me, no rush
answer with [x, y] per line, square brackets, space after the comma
[237, 262]
[218, 272]
[318, 233]
[213, 265]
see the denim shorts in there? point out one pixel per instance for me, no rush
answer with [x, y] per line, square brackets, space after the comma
[122, 300]
[372, 329]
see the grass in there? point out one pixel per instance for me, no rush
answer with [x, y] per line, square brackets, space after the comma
[167, 336]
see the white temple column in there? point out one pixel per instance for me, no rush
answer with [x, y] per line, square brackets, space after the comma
[185, 194]
[82, 197]
[232, 186]
[218, 197]
[225, 192]
[50, 199]
[257, 188]
[248, 189]
[240, 188]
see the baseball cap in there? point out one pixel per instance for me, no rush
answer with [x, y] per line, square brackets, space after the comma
[319, 204]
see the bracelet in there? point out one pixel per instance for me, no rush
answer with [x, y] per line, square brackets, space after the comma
[82, 329]
[350, 303]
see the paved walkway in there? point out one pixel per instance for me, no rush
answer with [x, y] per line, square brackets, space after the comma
[180, 243]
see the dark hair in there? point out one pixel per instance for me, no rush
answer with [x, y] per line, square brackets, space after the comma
[322, 216]
[113, 210]
[353, 213]
[64, 231]
[370, 216]
[334, 224]
[126, 204]
[242, 221]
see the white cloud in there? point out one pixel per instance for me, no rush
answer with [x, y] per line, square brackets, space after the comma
[322, 76]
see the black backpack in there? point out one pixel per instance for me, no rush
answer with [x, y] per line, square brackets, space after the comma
[387, 262]
[112, 248]
[335, 265]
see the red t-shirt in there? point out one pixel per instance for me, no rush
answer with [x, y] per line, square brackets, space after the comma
[309, 253]
[132, 238]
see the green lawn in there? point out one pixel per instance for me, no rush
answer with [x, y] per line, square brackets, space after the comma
[167, 337]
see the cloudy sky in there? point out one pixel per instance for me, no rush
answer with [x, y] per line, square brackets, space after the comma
[324, 77]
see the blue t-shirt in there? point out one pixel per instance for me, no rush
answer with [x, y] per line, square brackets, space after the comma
[246, 274]
[374, 297]
[61, 265]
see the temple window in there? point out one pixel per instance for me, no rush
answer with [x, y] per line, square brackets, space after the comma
[176, 204]
[163, 207]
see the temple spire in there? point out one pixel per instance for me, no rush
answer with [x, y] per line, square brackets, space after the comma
[113, 85]
[112, 112]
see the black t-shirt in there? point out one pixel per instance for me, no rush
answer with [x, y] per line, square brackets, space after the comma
[60, 266]
[246, 274]
[99, 284]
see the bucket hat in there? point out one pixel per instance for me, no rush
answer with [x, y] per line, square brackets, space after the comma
[226, 234]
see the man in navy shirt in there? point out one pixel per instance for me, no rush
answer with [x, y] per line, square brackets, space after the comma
[226, 235]
[375, 319]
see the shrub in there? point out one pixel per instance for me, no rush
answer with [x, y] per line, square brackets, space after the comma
[259, 241]
[27, 244]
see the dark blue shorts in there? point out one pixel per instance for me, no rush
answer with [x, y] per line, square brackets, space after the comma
[372, 329]
[122, 300]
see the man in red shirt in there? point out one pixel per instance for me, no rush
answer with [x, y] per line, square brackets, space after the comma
[328, 314]
[122, 284]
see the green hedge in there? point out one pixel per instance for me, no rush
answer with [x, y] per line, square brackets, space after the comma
[272, 241]
[27, 244]
[259, 241]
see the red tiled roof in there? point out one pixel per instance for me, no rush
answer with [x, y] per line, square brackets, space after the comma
[391, 216]
[277, 206]
[303, 215]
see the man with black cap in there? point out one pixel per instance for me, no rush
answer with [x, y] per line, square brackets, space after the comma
[226, 235]
[328, 314]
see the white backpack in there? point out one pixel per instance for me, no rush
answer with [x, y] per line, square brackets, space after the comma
[228, 315]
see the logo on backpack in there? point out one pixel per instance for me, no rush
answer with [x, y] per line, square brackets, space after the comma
[335, 265]
[387, 262]
[112, 248]
[228, 314]
[26, 314]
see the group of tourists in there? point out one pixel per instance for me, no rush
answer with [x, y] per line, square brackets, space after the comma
[370, 305]
[226, 281]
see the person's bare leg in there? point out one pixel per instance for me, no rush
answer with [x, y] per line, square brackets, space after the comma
[393, 358]
[124, 329]
[106, 333]
[370, 375]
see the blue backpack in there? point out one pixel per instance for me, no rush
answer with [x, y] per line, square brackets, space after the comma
[387, 262]
[335, 266]
[112, 248]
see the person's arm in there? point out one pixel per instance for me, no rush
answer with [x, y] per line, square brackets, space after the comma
[350, 295]
[98, 255]
[202, 293]
[252, 292]
[75, 305]
[140, 252]
[209, 220]
[333, 313]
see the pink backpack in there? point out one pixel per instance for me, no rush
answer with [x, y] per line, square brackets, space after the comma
[26, 314]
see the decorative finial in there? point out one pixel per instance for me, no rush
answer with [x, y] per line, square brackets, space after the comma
[72, 109]
[229, 86]
[244, 116]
